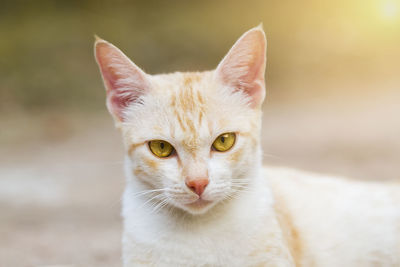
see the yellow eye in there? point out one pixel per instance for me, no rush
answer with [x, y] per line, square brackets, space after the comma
[160, 148]
[224, 142]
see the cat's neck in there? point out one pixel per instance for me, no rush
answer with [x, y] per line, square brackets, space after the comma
[249, 218]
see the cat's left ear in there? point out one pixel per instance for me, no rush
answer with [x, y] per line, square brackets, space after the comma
[124, 81]
[243, 68]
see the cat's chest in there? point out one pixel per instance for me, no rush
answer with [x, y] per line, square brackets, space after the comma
[185, 249]
[232, 244]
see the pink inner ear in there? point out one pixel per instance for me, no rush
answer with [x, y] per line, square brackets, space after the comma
[243, 67]
[117, 103]
[124, 81]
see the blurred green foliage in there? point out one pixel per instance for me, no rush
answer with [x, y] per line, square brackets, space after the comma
[47, 55]
[46, 47]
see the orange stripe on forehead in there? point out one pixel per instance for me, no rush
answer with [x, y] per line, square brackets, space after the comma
[173, 101]
[191, 126]
[186, 100]
[190, 78]
[200, 117]
[189, 109]
[180, 121]
[189, 97]
[200, 98]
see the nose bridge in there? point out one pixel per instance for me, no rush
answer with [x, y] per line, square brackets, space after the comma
[195, 168]
[196, 175]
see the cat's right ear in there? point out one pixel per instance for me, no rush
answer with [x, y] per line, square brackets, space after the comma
[124, 81]
[243, 68]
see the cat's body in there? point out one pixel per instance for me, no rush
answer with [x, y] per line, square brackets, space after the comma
[308, 221]
[196, 193]
[332, 221]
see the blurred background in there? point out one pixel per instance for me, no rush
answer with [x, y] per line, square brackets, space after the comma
[333, 104]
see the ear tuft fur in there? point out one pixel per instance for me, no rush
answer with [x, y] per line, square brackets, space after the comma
[243, 68]
[124, 81]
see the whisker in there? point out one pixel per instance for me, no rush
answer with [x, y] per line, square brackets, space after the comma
[144, 192]
[272, 156]
[151, 199]
[160, 205]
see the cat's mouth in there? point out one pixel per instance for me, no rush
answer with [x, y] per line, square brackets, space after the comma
[198, 204]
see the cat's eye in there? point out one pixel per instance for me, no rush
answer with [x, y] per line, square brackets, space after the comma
[224, 142]
[160, 148]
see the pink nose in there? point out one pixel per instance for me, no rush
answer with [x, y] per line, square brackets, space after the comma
[197, 185]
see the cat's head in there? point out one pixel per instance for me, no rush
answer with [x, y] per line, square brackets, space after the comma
[193, 138]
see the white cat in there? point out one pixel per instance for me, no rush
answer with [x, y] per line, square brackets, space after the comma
[196, 193]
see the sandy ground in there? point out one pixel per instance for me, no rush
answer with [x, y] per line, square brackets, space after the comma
[61, 175]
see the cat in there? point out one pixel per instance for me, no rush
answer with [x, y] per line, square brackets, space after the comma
[197, 193]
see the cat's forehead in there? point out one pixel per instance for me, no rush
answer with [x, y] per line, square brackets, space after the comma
[185, 96]
[189, 109]
[179, 83]
[187, 104]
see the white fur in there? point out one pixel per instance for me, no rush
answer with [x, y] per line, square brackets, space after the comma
[254, 216]
[342, 223]
[237, 233]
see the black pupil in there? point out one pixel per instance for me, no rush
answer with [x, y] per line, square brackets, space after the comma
[222, 139]
[162, 145]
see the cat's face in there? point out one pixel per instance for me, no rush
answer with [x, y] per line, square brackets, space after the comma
[191, 137]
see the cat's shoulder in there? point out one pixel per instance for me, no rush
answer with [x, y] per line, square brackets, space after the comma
[317, 212]
[285, 175]
[310, 186]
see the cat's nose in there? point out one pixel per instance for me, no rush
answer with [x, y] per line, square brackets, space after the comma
[197, 185]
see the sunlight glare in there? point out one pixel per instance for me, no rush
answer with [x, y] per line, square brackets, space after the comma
[390, 9]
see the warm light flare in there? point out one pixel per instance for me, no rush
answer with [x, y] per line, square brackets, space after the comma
[390, 9]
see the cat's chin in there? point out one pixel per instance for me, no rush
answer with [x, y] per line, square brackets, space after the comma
[200, 206]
